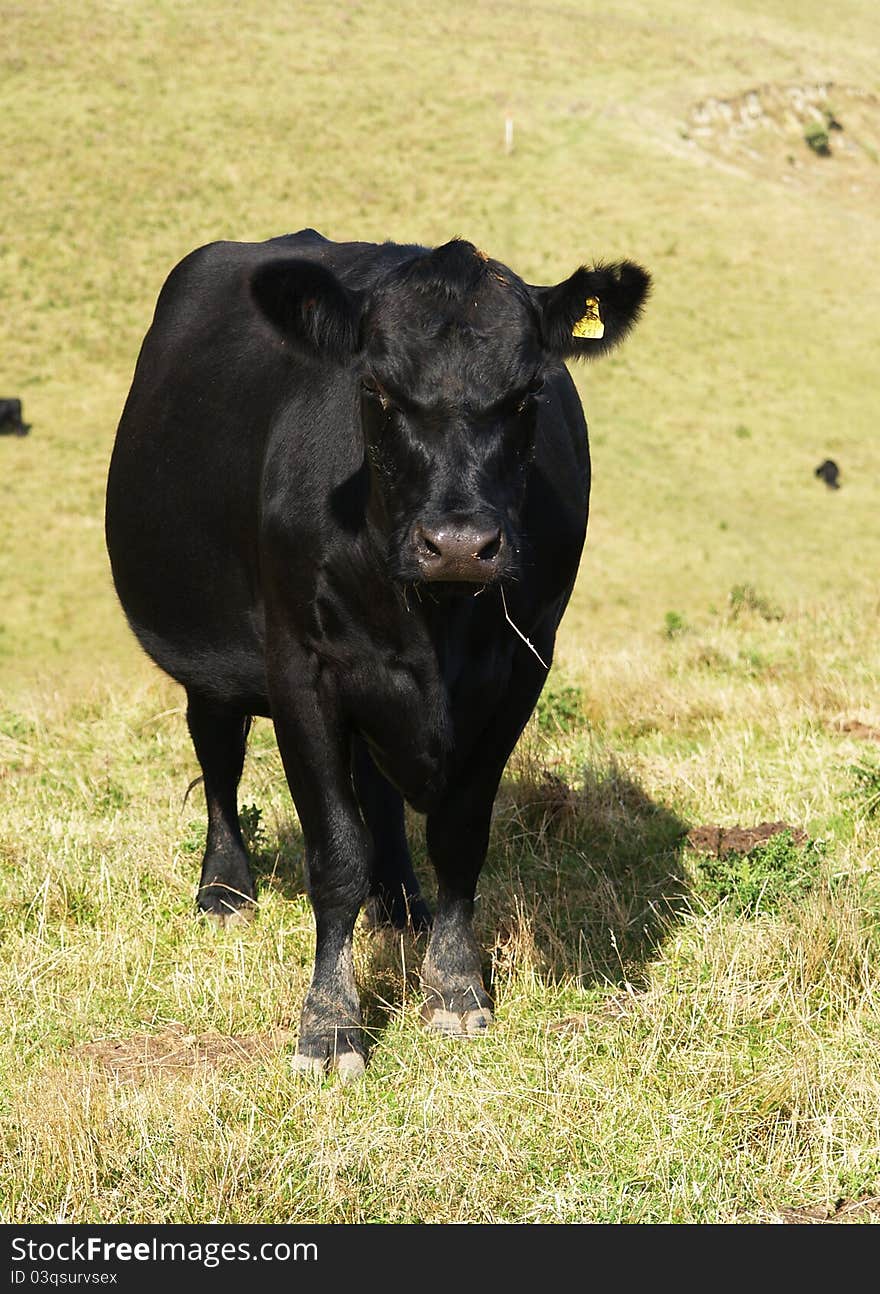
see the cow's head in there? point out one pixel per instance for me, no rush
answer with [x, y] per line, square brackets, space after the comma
[451, 350]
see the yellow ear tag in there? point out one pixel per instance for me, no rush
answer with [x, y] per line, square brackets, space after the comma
[591, 325]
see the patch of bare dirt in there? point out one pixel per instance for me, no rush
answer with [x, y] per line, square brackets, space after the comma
[739, 840]
[176, 1051]
[864, 1210]
[855, 728]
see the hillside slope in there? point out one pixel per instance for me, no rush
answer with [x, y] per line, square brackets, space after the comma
[140, 132]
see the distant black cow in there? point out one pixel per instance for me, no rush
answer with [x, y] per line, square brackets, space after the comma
[830, 473]
[10, 419]
[349, 492]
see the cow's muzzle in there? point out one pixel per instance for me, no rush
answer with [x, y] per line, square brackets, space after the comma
[459, 552]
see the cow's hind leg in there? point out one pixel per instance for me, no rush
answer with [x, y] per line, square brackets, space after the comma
[395, 899]
[219, 734]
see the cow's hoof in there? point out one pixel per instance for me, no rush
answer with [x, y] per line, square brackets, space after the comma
[470, 1025]
[337, 1053]
[226, 904]
[460, 1015]
[350, 1066]
[308, 1066]
[228, 916]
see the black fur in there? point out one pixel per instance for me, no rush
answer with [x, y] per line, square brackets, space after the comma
[310, 307]
[11, 423]
[829, 472]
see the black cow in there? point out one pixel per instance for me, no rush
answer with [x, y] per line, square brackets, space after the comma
[829, 472]
[349, 492]
[10, 419]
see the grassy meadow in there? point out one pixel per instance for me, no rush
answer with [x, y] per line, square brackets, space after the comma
[680, 1037]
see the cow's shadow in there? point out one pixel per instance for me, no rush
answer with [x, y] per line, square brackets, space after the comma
[582, 885]
[584, 881]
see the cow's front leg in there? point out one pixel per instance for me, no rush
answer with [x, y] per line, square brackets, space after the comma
[456, 1000]
[315, 750]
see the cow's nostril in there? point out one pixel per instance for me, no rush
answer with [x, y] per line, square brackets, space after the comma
[428, 546]
[490, 550]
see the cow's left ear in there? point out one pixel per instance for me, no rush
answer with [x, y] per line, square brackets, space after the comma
[593, 310]
[309, 307]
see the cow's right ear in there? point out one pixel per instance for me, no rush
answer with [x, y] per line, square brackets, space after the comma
[309, 307]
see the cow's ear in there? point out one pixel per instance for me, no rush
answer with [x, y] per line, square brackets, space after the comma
[308, 306]
[593, 310]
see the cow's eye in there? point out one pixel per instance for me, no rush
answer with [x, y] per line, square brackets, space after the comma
[372, 388]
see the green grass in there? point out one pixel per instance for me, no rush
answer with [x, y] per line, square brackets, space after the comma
[676, 1039]
[762, 879]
